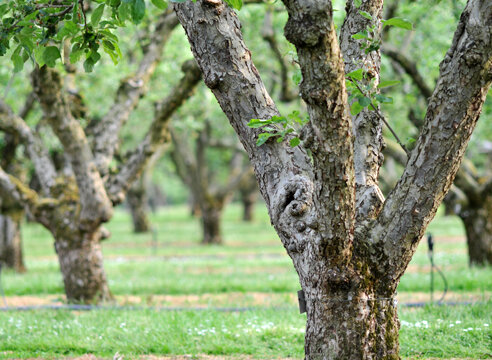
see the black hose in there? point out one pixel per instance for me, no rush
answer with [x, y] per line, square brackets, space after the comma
[79, 307]
[430, 243]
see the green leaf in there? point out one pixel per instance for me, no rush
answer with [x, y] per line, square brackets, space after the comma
[236, 4]
[160, 4]
[97, 14]
[383, 99]
[138, 11]
[365, 14]
[258, 123]
[294, 142]
[17, 59]
[388, 83]
[364, 101]
[357, 3]
[262, 138]
[91, 60]
[361, 35]
[398, 22]
[356, 108]
[124, 11]
[356, 74]
[50, 55]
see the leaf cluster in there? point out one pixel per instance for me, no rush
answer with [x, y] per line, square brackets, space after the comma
[38, 29]
[279, 127]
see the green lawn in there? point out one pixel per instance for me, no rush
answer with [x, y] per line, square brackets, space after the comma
[171, 268]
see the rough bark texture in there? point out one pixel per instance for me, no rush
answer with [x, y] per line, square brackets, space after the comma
[348, 270]
[11, 244]
[367, 128]
[467, 196]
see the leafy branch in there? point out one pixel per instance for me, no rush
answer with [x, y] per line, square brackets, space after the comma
[280, 127]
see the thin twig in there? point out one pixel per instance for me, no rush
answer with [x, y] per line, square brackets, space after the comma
[378, 113]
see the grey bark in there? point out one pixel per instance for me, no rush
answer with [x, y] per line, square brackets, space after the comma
[468, 196]
[348, 269]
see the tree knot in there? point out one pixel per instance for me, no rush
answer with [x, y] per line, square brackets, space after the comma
[294, 197]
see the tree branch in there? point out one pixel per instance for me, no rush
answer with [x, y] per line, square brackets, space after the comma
[268, 34]
[15, 195]
[228, 71]
[130, 91]
[157, 136]
[95, 205]
[11, 123]
[465, 77]
[330, 127]
[368, 124]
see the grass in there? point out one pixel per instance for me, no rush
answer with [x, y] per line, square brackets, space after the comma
[171, 268]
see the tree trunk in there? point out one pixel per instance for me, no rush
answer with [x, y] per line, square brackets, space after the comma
[478, 227]
[81, 264]
[11, 244]
[211, 218]
[248, 207]
[344, 325]
[248, 191]
[137, 200]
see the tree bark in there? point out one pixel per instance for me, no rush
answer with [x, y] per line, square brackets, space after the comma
[351, 325]
[81, 264]
[478, 226]
[341, 257]
[11, 244]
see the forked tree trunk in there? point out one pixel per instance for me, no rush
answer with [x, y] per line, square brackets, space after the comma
[11, 244]
[81, 264]
[211, 219]
[478, 227]
[137, 200]
[345, 325]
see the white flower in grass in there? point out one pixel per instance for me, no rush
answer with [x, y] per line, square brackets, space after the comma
[486, 325]
[451, 325]
[458, 322]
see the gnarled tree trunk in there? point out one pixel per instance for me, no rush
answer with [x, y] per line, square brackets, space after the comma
[11, 243]
[344, 324]
[478, 227]
[81, 263]
[349, 245]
